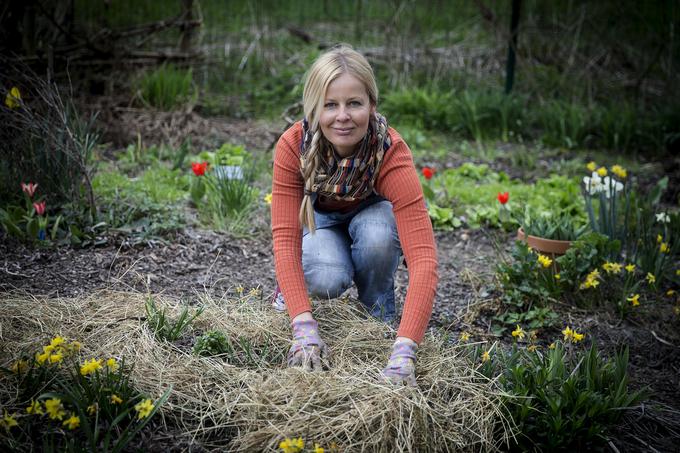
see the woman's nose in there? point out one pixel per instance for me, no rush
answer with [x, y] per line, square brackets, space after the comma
[343, 115]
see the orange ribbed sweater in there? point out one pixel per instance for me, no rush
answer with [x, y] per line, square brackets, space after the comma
[397, 182]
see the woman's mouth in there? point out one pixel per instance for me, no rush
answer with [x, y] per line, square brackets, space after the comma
[343, 131]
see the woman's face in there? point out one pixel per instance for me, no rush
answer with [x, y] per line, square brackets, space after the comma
[345, 114]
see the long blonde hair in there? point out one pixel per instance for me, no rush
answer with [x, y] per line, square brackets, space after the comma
[341, 59]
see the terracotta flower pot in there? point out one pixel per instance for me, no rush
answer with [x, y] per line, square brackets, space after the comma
[549, 247]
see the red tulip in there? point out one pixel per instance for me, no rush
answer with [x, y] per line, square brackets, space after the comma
[199, 169]
[29, 189]
[503, 197]
[428, 172]
[39, 207]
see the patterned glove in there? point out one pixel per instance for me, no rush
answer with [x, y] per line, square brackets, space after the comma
[308, 348]
[401, 368]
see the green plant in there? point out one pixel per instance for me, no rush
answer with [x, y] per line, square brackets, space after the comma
[607, 202]
[559, 226]
[166, 87]
[563, 398]
[443, 218]
[74, 405]
[242, 352]
[165, 328]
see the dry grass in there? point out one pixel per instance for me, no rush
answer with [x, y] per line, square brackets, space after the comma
[223, 406]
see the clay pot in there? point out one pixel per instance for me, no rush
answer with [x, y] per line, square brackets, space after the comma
[549, 247]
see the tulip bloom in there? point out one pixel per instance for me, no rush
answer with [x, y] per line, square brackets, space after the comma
[29, 189]
[428, 172]
[199, 168]
[503, 197]
[39, 207]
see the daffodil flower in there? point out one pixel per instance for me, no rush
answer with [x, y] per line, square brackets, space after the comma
[518, 332]
[662, 217]
[464, 336]
[611, 186]
[619, 171]
[593, 183]
[486, 356]
[591, 166]
[144, 408]
[635, 300]
[651, 278]
[13, 98]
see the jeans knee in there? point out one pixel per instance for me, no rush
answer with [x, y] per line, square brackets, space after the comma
[327, 281]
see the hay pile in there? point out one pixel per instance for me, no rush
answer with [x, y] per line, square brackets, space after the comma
[253, 408]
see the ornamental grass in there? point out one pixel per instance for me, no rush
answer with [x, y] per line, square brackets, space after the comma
[253, 408]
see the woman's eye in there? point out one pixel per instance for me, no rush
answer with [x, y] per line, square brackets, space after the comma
[329, 105]
[355, 103]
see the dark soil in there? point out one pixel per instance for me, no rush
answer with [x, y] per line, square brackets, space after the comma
[197, 261]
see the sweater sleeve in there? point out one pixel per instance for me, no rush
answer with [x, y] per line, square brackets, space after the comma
[287, 190]
[398, 182]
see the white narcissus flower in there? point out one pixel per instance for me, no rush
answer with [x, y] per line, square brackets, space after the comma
[611, 186]
[662, 217]
[593, 183]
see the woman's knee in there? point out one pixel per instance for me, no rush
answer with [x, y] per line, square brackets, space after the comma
[327, 281]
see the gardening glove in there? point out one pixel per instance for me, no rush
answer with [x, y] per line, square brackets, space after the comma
[308, 348]
[401, 368]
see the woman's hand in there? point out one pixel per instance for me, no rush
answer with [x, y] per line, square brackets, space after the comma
[308, 349]
[401, 367]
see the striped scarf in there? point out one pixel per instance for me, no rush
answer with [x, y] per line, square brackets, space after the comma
[350, 178]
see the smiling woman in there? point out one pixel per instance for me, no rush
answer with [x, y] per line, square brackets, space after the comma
[346, 204]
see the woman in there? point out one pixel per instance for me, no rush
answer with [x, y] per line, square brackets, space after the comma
[346, 201]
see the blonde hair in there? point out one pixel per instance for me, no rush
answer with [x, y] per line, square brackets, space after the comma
[341, 59]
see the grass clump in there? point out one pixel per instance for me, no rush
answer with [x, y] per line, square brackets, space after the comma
[166, 87]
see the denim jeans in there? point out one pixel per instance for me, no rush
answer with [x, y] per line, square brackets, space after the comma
[361, 246]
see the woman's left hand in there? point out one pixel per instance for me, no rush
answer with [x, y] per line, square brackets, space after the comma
[401, 367]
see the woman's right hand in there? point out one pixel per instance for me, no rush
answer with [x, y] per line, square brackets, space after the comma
[308, 349]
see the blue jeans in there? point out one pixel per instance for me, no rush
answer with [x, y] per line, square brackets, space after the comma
[361, 246]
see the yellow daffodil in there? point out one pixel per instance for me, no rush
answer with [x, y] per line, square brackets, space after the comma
[544, 260]
[602, 171]
[318, 448]
[92, 409]
[8, 422]
[268, 198]
[112, 364]
[659, 239]
[90, 366]
[532, 348]
[75, 346]
[13, 98]
[677, 272]
[57, 341]
[664, 247]
[292, 445]
[240, 289]
[635, 300]
[56, 358]
[35, 408]
[49, 349]
[255, 292]
[464, 336]
[557, 276]
[552, 345]
[651, 279]
[486, 356]
[42, 358]
[567, 332]
[518, 332]
[115, 399]
[576, 337]
[619, 171]
[20, 366]
[533, 335]
[144, 408]
[54, 408]
[72, 422]
[630, 268]
[670, 292]
[611, 268]
[591, 166]
[676, 309]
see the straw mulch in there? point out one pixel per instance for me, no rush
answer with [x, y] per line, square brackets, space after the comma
[252, 408]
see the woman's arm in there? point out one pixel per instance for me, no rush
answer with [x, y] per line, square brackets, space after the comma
[287, 190]
[398, 182]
